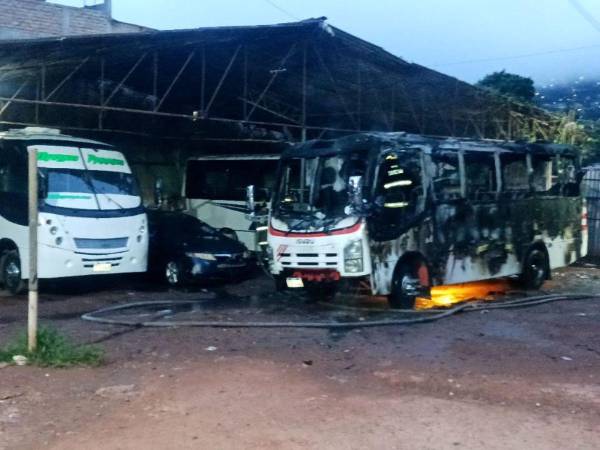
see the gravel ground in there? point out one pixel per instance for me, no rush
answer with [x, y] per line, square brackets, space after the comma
[520, 378]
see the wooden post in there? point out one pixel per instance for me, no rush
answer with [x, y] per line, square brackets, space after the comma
[32, 318]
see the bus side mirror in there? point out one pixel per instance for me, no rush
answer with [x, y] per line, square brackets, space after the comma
[355, 192]
[42, 187]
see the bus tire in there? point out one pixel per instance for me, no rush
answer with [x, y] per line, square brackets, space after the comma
[11, 273]
[406, 286]
[536, 269]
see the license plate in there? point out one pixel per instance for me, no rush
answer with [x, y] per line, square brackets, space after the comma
[295, 283]
[102, 267]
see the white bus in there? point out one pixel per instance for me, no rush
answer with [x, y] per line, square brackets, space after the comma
[402, 213]
[91, 217]
[215, 191]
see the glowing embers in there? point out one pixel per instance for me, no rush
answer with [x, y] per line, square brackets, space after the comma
[444, 296]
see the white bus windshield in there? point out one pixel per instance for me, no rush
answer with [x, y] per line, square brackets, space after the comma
[87, 179]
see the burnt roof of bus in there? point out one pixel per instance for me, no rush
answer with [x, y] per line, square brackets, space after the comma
[378, 142]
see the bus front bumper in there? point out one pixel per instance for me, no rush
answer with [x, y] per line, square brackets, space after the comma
[54, 262]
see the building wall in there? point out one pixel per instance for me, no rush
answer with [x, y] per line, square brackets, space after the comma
[23, 19]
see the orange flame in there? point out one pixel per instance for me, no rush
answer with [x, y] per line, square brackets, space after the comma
[444, 296]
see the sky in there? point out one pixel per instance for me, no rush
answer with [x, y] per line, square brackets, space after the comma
[548, 40]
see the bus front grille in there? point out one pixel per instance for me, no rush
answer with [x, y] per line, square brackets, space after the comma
[101, 244]
[89, 263]
[317, 260]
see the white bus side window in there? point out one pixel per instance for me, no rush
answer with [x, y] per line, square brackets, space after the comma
[13, 170]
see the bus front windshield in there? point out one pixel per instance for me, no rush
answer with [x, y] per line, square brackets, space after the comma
[90, 188]
[318, 186]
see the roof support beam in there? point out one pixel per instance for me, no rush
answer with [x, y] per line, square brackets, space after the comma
[172, 115]
[221, 81]
[175, 80]
[270, 111]
[274, 74]
[335, 88]
[67, 78]
[124, 79]
[10, 100]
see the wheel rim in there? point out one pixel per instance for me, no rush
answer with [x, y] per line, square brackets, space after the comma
[409, 286]
[172, 272]
[537, 267]
[12, 274]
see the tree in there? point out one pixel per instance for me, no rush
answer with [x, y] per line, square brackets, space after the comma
[509, 84]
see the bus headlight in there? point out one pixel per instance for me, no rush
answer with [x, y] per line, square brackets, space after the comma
[142, 229]
[204, 256]
[353, 257]
[54, 231]
[58, 241]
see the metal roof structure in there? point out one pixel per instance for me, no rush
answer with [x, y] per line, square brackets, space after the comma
[289, 81]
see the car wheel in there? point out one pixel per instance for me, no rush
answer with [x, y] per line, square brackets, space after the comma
[535, 269]
[11, 273]
[173, 274]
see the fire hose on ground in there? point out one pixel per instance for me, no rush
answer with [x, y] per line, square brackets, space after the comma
[418, 316]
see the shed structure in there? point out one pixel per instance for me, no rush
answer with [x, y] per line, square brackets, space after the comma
[240, 89]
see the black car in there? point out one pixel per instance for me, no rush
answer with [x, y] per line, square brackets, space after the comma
[183, 249]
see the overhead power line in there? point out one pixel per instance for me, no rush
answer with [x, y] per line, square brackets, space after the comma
[583, 12]
[283, 10]
[521, 56]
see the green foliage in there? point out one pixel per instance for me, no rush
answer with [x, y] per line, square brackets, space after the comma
[53, 350]
[591, 145]
[512, 85]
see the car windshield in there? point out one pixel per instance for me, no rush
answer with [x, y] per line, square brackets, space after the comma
[318, 185]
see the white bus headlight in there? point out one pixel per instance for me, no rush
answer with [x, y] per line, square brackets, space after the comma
[353, 257]
[204, 256]
[53, 231]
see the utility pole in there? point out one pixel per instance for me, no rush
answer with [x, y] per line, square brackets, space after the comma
[32, 317]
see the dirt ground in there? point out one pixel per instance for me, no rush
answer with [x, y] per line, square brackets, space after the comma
[498, 379]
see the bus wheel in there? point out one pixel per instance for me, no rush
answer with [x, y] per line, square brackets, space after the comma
[11, 273]
[173, 274]
[535, 269]
[406, 287]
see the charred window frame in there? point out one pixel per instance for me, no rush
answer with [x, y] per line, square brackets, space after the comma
[481, 181]
[448, 176]
[565, 177]
[516, 174]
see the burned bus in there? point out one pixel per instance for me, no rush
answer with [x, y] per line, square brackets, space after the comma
[406, 212]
